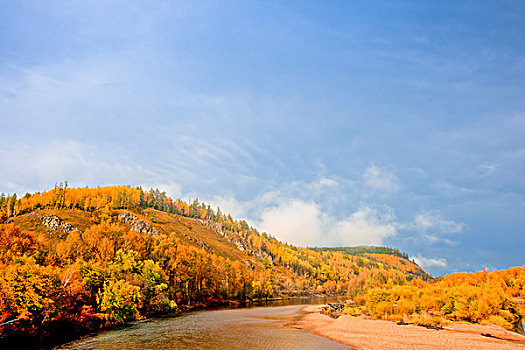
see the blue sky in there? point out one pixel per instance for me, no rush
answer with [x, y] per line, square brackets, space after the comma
[323, 123]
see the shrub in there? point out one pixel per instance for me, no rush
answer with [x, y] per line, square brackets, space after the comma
[120, 300]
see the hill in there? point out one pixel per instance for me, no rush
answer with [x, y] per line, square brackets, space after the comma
[389, 256]
[77, 259]
[363, 250]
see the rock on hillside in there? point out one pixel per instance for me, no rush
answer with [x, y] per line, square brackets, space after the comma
[54, 223]
[137, 224]
[240, 241]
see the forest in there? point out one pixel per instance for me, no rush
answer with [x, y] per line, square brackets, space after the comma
[485, 297]
[75, 260]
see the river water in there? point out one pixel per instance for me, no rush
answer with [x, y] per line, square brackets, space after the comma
[245, 328]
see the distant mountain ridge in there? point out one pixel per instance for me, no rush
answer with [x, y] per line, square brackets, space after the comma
[363, 250]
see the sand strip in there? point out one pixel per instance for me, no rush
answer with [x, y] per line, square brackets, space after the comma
[363, 333]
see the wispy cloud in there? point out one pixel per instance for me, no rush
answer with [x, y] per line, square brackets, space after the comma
[432, 221]
[451, 189]
[380, 180]
[33, 168]
[431, 227]
[488, 169]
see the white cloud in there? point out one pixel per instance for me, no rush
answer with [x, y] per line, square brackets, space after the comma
[381, 180]
[229, 205]
[366, 226]
[325, 182]
[430, 262]
[295, 222]
[305, 224]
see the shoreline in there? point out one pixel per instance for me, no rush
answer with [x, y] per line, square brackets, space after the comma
[363, 333]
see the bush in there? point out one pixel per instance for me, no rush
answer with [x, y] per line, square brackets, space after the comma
[426, 320]
[120, 300]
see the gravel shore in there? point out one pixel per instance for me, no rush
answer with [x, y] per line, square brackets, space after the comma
[363, 333]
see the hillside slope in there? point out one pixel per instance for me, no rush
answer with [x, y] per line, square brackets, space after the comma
[390, 257]
[296, 271]
[86, 258]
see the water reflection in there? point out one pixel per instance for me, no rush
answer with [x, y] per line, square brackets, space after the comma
[246, 328]
[301, 301]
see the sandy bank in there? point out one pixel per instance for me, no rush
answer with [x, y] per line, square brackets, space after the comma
[362, 333]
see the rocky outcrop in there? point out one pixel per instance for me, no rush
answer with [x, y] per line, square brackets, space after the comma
[54, 223]
[200, 243]
[137, 224]
[240, 244]
[240, 241]
[214, 226]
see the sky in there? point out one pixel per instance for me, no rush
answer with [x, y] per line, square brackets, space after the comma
[323, 123]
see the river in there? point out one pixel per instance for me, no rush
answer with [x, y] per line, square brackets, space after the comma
[244, 328]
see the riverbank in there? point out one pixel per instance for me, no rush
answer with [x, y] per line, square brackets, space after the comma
[362, 333]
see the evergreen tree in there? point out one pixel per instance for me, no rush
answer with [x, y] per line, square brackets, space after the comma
[12, 205]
